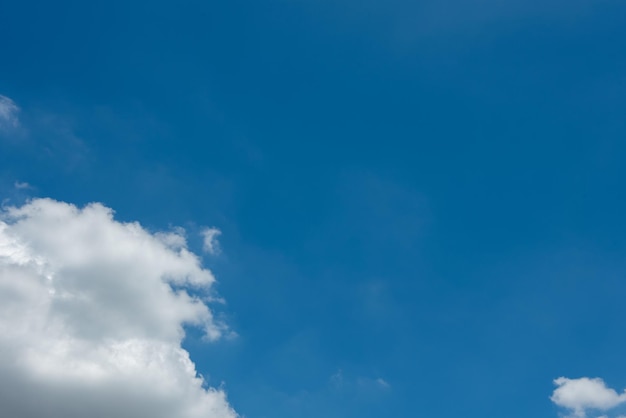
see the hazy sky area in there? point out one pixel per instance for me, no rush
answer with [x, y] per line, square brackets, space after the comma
[312, 209]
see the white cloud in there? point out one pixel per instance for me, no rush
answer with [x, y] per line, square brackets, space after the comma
[8, 113]
[91, 318]
[211, 244]
[583, 394]
[339, 382]
[383, 383]
[21, 185]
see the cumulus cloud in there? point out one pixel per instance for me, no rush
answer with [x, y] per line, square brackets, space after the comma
[91, 318]
[8, 113]
[584, 394]
[211, 244]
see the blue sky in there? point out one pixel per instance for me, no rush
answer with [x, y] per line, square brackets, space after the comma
[421, 204]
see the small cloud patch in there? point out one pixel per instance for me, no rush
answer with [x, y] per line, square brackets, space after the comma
[383, 383]
[9, 112]
[341, 383]
[582, 395]
[22, 185]
[211, 245]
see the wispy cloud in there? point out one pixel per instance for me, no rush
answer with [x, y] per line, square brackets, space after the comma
[211, 245]
[340, 382]
[9, 112]
[22, 185]
[45, 132]
[383, 383]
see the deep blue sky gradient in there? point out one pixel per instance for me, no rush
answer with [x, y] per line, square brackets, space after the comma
[430, 193]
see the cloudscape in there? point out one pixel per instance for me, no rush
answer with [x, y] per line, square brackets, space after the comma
[305, 209]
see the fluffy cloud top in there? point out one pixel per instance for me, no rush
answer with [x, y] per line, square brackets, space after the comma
[91, 318]
[581, 395]
[8, 113]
